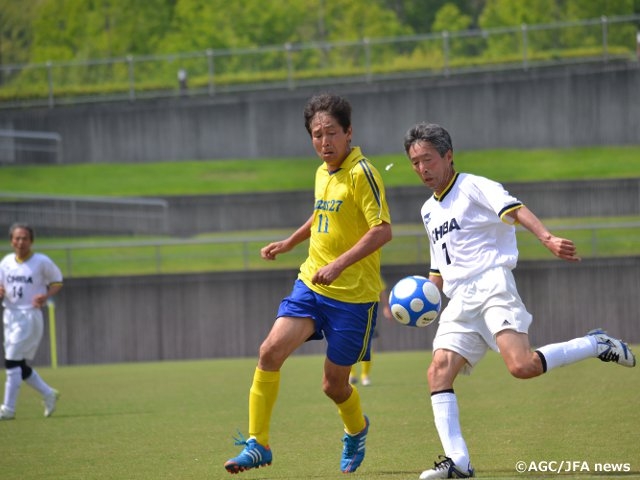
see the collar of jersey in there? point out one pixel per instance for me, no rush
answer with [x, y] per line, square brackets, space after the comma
[354, 156]
[447, 189]
[22, 260]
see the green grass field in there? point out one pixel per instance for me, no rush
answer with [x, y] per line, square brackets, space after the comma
[175, 420]
[241, 176]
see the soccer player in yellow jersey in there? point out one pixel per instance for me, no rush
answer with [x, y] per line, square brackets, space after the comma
[336, 293]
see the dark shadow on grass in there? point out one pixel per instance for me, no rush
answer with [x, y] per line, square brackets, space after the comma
[358, 474]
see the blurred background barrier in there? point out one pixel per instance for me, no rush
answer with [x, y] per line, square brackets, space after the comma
[28, 147]
[192, 215]
[240, 252]
[82, 215]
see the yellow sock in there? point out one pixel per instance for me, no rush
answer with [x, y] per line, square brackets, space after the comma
[366, 368]
[353, 370]
[351, 413]
[262, 397]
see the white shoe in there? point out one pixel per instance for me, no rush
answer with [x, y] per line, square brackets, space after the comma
[6, 413]
[366, 381]
[50, 402]
[613, 350]
[447, 469]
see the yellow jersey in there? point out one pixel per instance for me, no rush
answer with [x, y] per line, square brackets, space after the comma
[348, 202]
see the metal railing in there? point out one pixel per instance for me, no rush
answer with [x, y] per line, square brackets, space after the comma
[38, 147]
[604, 39]
[83, 213]
[147, 257]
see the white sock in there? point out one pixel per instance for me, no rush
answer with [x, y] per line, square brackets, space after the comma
[12, 388]
[36, 382]
[447, 419]
[561, 354]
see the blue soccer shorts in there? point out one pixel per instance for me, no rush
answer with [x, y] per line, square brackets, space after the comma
[348, 327]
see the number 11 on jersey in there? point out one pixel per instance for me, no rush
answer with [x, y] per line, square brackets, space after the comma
[323, 223]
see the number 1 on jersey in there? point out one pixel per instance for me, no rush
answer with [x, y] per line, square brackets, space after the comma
[446, 254]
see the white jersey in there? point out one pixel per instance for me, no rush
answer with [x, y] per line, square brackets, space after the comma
[23, 280]
[469, 229]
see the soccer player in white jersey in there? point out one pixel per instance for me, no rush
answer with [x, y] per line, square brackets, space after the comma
[27, 281]
[470, 222]
[337, 290]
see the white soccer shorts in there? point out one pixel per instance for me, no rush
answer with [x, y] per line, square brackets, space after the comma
[481, 307]
[22, 333]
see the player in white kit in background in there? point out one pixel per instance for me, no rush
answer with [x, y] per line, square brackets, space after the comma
[470, 221]
[27, 281]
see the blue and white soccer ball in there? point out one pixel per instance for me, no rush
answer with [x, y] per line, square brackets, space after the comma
[415, 301]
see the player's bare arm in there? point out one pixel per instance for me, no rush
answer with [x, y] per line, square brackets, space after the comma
[384, 306]
[300, 235]
[561, 247]
[371, 241]
[40, 301]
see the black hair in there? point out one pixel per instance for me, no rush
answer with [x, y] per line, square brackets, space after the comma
[334, 105]
[431, 133]
[23, 226]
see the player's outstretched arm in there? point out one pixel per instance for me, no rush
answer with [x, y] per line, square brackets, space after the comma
[300, 235]
[561, 247]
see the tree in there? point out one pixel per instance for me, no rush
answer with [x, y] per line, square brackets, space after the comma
[588, 9]
[69, 30]
[357, 19]
[72, 30]
[16, 33]
[501, 13]
[594, 9]
[421, 14]
[450, 19]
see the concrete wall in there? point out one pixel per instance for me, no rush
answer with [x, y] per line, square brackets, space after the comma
[165, 317]
[190, 215]
[538, 108]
